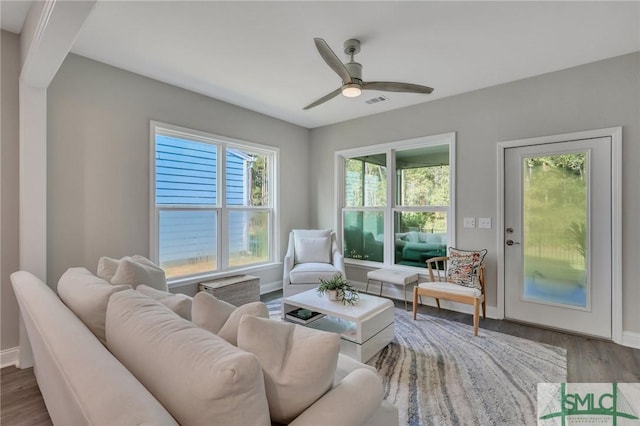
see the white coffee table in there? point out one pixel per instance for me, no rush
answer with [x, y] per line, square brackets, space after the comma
[365, 328]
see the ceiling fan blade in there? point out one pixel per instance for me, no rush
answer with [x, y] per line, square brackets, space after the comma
[324, 99]
[332, 60]
[390, 86]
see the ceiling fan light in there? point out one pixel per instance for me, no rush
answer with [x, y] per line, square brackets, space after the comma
[351, 90]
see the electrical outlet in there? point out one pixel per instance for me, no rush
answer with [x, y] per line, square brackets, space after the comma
[484, 222]
[469, 222]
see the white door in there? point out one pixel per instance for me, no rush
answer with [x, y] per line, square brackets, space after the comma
[558, 248]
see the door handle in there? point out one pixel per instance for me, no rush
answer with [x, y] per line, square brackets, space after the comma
[511, 242]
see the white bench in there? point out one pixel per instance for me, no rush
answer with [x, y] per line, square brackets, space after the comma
[392, 277]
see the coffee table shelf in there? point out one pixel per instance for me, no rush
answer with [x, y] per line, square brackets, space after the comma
[364, 328]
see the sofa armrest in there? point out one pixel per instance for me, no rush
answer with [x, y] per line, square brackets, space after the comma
[350, 403]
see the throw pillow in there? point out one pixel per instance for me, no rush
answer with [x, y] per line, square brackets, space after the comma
[87, 296]
[300, 234]
[134, 273]
[313, 250]
[222, 318]
[178, 303]
[144, 261]
[463, 266]
[298, 363]
[198, 377]
[107, 267]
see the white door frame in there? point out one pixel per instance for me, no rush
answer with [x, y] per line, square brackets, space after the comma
[615, 133]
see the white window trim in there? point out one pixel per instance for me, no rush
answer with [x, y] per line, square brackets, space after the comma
[389, 149]
[274, 246]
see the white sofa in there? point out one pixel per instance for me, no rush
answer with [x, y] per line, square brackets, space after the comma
[155, 367]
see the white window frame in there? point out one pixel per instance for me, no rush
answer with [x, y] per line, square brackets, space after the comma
[391, 208]
[222, 142]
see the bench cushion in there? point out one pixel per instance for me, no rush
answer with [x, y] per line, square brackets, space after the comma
[393, 277]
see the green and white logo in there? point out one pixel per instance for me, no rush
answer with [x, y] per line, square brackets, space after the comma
[588, 404]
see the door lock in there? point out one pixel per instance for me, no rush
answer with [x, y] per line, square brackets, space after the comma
[511, 242]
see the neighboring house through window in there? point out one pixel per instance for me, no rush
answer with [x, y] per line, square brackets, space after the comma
[212, 202]
[397, 201]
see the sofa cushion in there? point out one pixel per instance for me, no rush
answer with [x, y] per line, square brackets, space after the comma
[178, 303]
[433, 238]
[462, 267]
[451, 288]
[312, 245]
[298, 363]
[87, 296]
[134, 272]
[107, 268]
[197, 376]
[305, 273]
[413, 237]
[222, 318]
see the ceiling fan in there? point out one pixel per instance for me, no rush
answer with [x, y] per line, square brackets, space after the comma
[351, 75]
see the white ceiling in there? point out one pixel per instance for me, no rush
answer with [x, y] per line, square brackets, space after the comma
[261, 55]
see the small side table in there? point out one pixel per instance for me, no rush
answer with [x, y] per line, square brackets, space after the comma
[392, 277]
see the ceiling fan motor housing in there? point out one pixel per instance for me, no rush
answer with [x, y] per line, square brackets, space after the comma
[355, 71]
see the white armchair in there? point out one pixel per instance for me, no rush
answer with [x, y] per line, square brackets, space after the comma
[311, 255]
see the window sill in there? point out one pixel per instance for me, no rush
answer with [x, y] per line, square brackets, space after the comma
[196, 279]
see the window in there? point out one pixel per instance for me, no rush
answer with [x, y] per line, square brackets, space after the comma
[212, 202]
[397, 201]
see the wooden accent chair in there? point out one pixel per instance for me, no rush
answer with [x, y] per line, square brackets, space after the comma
[441, 287]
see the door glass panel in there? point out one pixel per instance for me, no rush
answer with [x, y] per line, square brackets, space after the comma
[554, 234]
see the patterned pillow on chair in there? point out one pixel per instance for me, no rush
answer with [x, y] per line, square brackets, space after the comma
[463, 266]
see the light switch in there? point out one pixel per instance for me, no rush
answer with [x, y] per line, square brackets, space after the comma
[484, 222]
[469, 222]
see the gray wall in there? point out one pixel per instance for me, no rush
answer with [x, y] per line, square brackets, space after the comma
[598, 95]
[9, 148]
[98, 160]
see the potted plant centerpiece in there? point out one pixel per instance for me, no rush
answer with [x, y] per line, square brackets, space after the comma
[337, 288]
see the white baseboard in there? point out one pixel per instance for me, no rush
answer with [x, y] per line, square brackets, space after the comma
[631, 339]
[9, 357]
[269, 287]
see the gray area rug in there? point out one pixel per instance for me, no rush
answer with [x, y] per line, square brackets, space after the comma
[438, 373]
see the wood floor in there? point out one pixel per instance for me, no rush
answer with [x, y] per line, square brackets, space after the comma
[20, 399]
[588, 360]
